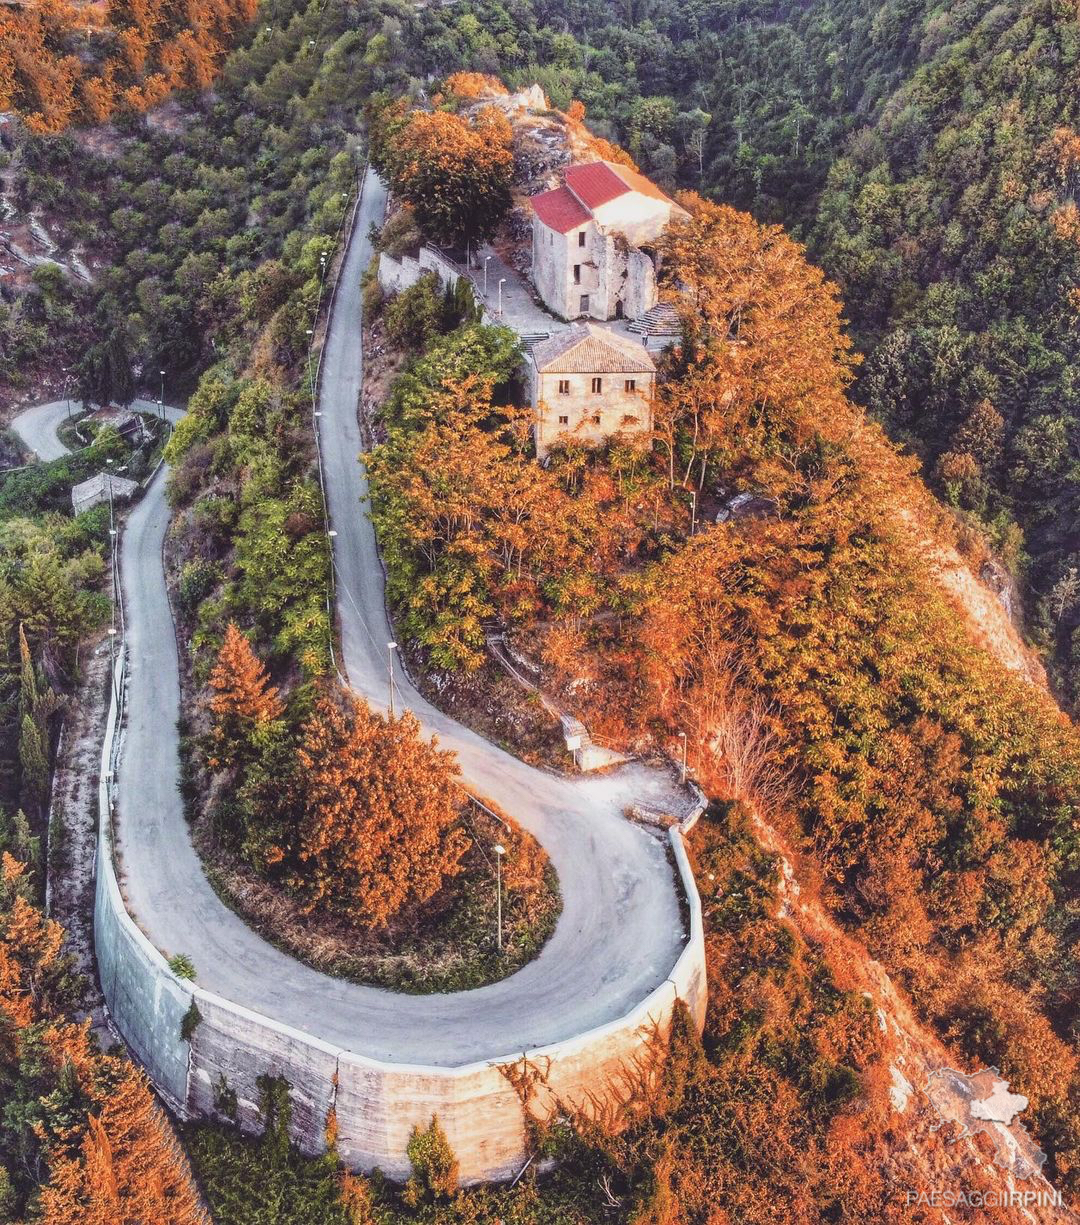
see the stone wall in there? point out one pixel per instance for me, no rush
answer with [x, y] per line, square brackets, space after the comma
[551, 270]
[402, 272]
[377, 1103]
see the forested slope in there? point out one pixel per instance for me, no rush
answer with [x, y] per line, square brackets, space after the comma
[928, 153]
[933, 799]
[63, 63]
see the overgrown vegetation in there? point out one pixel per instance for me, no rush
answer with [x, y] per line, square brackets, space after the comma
[346, 838]
[80, 1131]
[792, 1066]
[62, 63]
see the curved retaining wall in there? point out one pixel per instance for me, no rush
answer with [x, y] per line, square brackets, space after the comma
[377, 1104]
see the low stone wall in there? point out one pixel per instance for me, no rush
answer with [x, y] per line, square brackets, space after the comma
[377, 1103]
[402, 272]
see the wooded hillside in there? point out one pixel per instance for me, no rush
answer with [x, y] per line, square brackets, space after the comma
[64, 63]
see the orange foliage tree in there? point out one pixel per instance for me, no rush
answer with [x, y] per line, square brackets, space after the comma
[85, 1124]
[128, 1168]
[379, 813]
[62, 64]
[243, 699]
[454, 171]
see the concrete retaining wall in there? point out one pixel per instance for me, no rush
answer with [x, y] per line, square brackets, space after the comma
[377, 1103]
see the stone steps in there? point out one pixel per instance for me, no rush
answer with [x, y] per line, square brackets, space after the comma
[658, 320]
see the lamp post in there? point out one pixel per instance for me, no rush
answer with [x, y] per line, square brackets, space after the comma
[391, 647]
[500, 851]
[112, 564]
[693, 511]
[161, 399]
[682, 779]
[502, 282]
[487, 260]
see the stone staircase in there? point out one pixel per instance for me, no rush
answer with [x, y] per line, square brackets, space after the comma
[659, 320]
[588, 755]
[528, 339]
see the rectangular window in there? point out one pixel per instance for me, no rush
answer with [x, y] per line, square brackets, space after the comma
[581, 238]
[577, 274]
[564, 387]
[564, 420]
[596, 419]
[584, 307]
[597, 386]
[631, 384]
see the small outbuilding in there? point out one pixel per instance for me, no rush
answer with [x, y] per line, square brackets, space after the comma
[100, 488]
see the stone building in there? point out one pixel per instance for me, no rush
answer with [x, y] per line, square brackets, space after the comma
[594, 239]
[103, 487]
[590, 383]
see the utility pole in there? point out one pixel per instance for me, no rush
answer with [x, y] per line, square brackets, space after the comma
[500, 851]
[390, 648]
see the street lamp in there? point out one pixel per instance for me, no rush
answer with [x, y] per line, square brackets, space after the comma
[500, 851]
[487, 260]
[682, 736]
[502, 282]
[390, 648]
[161, 400]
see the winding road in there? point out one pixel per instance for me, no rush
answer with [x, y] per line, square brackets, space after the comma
[620, 932]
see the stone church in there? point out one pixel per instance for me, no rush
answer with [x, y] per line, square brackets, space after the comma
[594, 240]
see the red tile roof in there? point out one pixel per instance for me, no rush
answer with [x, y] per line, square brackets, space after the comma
[638, 182]
[594, 183]
[560, 210]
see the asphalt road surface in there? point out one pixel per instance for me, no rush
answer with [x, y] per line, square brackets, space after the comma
[620, 931]
[36, 427]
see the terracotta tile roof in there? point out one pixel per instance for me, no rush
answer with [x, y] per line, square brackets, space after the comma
[560, 210]
[638, 182]
[591, 350]
[597, 183]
